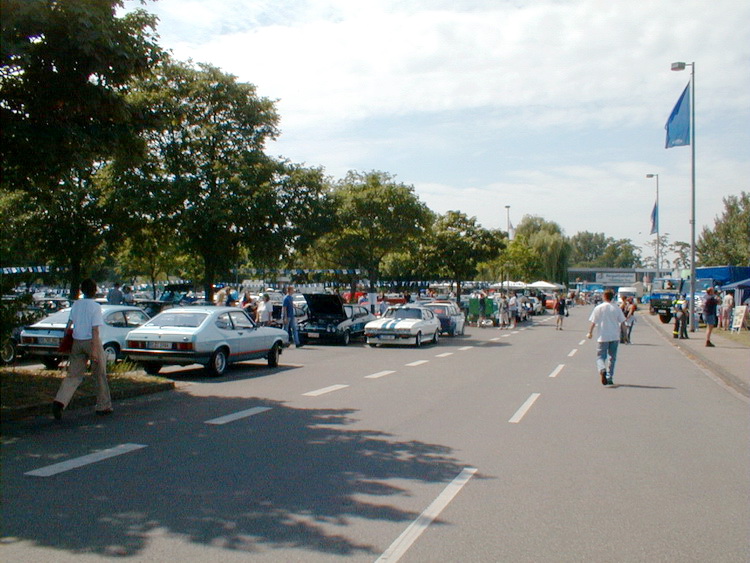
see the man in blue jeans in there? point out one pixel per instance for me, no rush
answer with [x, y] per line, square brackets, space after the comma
[288, 318]
[608, 318]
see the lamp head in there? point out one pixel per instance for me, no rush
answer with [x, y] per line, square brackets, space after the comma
[651, 175]
[678, 66]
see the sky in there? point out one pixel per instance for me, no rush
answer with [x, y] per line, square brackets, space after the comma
[555, 108]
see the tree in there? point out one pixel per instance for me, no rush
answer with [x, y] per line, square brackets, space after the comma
[682, 252]
[621, 254]
[587, 248]
[728, 243]
[547, 239]
[374, 216]
[207, 178]
[63, 74]
[456, 245]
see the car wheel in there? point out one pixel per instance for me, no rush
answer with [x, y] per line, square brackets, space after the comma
[436, 337]
[273, 355]
[346, 338]
[8, 352]
[152, 368]
[418, 340]
[218, 363]
[51, 363]
[111, 351]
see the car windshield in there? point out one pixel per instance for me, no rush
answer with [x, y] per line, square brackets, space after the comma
[59, 318]
[404, 313]
[439, 310]
[190, 320]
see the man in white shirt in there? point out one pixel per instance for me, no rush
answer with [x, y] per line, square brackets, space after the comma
[608, 318]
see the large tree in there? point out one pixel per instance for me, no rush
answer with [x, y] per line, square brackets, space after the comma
[457, 244]
[63, 73]
[546, 238]
[728, 243]
[207, 179]
[374, 216]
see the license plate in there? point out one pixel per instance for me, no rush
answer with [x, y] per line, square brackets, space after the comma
[49, 341]
[160, 345]
[313, 335]
[387, 337]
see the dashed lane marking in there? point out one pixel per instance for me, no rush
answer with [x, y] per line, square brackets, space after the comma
[417, 363]
[84, 460]
[572, 352]
[520, 413]
[379, 374]
[324, 390]
[557, 370]
[237, 415]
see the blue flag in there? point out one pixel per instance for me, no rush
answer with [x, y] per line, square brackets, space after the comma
[678, 124]
[655, 219]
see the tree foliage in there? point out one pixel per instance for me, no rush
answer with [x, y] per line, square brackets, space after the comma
[728, 243]
[64, 70]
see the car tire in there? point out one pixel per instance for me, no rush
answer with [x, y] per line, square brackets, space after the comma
[111, 352]
[346, 338]
[418, 340]
[217, 365]
[436, 337]
[152, 368]
[8, 352]
[51, 362]
[273, 355]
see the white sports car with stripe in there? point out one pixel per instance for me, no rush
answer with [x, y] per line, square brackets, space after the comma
[406, 324]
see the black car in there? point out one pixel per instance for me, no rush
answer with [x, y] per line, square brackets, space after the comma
[329, 318]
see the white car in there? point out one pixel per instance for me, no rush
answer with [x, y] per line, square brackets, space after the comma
[212, 336]
[405, 324]
[43, 338]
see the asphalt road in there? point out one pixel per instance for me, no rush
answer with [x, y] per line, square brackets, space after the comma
[496, 446]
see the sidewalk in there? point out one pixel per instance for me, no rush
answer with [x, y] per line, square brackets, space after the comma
[729, 360]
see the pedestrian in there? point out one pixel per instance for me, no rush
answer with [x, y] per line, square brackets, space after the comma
[513, 309]
[709, 314]
[680, 322]
[264, 310]
[86, 318]
[482, 307]
[561, 309]
[607, 318]
[127, 296]
[629, 312]
[727, 304]
[288, 318]
[114, 297]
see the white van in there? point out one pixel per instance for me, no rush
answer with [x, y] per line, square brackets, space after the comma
[624, 292]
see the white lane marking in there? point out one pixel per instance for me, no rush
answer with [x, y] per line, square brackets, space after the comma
[516, 418]
[495, 339]
[557, 370]
[572, 352]
[515, 332]
[237, 415]
[84, 460]
[324, 390]
[464, 348]
[506, 335]
[582, 342]
[417, 363]
[379, 374]
[402, 544]
[444, 355]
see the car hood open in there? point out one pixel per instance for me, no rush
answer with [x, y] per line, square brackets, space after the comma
[325, 306]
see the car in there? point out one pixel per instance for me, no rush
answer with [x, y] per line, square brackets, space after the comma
[535, 306]
[212, 336]
[329, 318]
[452, 319]
[404, 324]
[42, 338]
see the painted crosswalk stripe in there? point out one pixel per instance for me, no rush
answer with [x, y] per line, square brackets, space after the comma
[238, 415]
[379, 374]
[520, 413]
[402, 543]
[417, 363]
[557, 370]
[324, 390]
[84, 460]
[572, 352]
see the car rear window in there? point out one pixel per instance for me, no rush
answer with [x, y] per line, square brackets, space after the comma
[190, 320]
[404, 313]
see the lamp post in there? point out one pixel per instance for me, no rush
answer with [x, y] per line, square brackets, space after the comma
[507, 221]
[656, 224]
[678, 67]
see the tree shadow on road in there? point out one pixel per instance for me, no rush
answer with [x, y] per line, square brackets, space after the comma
[287, 478]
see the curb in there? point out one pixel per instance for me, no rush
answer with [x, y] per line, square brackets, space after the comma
[726, 377]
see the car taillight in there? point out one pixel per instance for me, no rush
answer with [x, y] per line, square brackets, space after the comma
[136, 344]
[183, 346]
[28, 340]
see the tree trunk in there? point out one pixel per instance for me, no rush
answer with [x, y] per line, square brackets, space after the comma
[75, 279]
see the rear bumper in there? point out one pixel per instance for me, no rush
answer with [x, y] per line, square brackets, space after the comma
[167, 357]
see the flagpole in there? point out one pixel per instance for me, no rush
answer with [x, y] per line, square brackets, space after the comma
[681, 66]
[658, 237]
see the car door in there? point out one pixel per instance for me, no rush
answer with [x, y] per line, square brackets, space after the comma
[246, 338]
[115, 328]
[359, 320]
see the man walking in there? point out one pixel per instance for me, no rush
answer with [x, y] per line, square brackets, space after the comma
[608, 318]
[288, 318]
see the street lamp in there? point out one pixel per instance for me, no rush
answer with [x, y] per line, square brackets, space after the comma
[507, 219]
[656, 224]
[677, 67]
